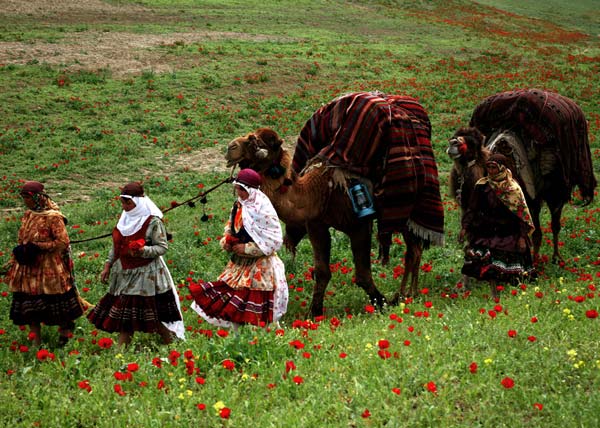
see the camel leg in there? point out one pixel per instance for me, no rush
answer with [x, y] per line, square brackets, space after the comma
[320, 240]
[414, 251]
[555, 214]
[534, 209]
[385, 242]
[360, 239]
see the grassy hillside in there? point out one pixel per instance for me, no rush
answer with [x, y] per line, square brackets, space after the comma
[98, 93]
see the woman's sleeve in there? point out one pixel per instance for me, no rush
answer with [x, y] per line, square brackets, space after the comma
[58, 238]
[157, 236]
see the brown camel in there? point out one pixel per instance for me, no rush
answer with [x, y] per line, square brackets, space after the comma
[307, 204]
[546, 136]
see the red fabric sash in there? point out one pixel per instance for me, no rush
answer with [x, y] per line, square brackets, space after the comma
[122, 251]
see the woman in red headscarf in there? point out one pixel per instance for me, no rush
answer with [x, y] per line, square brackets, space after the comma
[498, 227]
[252, 289]
[41, 274]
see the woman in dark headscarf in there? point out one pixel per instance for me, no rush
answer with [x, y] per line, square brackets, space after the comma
[41, 273]
[252, 288]
[498, 226]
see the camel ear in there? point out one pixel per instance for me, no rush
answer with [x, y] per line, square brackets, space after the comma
[270, 138]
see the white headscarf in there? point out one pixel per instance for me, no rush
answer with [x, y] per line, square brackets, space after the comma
[260, 220]
[132, 221]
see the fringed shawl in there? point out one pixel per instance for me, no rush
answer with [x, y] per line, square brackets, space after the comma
[386, 138]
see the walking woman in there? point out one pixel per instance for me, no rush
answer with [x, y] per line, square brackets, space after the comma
[252, 289]
[41, 274]
[141, 295]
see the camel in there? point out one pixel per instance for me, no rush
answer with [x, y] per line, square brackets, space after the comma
[316, 200]
[545, 135]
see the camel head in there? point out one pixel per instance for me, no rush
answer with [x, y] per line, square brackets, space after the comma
[259, 150]
[466, 145]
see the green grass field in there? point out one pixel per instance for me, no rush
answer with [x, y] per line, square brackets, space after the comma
[97, 93]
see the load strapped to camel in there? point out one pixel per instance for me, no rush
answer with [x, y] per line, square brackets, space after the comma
[386, 139]
[553, 129]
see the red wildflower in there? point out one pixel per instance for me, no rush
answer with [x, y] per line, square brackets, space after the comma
[43, 355]
[85, 384]
[105, 342]
[228, 365]
[432, 387]
[297, 344]
[592, 313]
[473, 367]
[225, 412]
[298, 380]
[507, 382]
[369, 309]
[132, 367]
[531, 338]
[157, 362]
[343, 355]
[534, 319]
[289, 366]
[201, 406]
[118, 389]
[384, 354]
[512, 333]
[396, 391]
[366, 413]
[136, 245]
[383, 344]
[538, 406]
[222, 333]
[160, 384]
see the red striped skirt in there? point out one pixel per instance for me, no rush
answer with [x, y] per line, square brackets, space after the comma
[241, 306]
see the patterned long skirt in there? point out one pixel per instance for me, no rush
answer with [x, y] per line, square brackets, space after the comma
[50, 309]
[131, 313]
[503, 266]
[217, 301]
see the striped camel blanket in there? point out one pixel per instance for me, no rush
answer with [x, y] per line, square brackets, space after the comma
[387, 139]
[545, 119]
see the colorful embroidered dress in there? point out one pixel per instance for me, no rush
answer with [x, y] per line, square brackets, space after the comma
[252, 288]
[496, 219]
[44, 291]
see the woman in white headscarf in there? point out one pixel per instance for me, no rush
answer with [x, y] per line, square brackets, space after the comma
[252, 289]
[141, 296]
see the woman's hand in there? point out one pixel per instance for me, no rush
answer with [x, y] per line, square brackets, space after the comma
[105, 273]
[239, 249]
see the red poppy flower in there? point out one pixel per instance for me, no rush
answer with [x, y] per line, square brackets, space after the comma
[366, 413]
[383, 344]
[384, 354]
[538, 406]
[225, 412]
[507, 382]
[369, 309]
[117, 388]
[432, 387]
[592, 313]
[222, 333]
[289, 366]
[138, 244]
[512, 333]
[133, 367]
[473, 367]
[85, 384]
[396, 391]
[105, 342]
[157, 362]
[228, 365]
[43, 355]
[201, 406]
[298, 380]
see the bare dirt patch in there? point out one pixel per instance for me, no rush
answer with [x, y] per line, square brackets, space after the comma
[123, 53]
